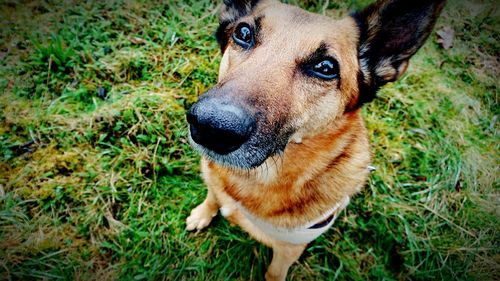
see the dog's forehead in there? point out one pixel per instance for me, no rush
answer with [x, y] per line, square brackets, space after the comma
[291, 26]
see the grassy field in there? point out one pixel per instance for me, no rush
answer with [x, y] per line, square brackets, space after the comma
[97, 176]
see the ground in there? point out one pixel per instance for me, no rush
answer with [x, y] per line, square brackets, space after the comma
[97, 176]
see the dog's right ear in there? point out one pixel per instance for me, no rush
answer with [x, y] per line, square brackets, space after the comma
[230, 12]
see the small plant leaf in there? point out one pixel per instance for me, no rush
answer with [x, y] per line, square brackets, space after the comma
[137, 40]
[446, 35]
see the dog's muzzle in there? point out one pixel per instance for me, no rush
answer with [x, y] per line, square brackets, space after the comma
[219, 126]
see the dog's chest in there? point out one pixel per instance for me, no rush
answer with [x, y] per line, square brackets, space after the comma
[283, 203]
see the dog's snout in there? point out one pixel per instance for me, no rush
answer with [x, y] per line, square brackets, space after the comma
[222, 128]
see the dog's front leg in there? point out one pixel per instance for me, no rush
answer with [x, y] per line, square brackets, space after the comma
[284, 255]
[202, 215]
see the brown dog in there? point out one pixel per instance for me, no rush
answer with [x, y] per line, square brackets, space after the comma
[283, 142]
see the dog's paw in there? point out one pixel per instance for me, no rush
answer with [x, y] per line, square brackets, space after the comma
[273, 277]
[199, 218]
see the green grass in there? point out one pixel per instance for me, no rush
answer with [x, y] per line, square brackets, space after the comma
[97, 177]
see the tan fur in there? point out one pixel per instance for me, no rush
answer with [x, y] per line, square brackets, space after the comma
[326, 158]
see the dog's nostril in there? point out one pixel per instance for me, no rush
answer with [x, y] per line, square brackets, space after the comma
[221, 129]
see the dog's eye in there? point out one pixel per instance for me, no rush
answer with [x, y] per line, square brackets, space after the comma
[243, 36]
[326, 69]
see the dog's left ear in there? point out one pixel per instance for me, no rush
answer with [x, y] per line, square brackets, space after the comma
[231, 11]
[391, 31]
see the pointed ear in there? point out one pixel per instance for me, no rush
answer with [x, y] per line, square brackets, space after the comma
[391, 31]
[230, 12]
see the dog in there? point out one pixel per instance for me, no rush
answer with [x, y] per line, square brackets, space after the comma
[283, 143]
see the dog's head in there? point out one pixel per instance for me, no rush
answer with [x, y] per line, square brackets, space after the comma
[288, 74]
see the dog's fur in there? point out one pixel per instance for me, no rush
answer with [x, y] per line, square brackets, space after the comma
[310, 147]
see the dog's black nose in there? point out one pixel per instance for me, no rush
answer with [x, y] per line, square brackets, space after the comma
[220, 127]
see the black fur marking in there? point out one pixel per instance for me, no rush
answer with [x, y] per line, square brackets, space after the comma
[318, 54]
[221, 35]
[258, 29]
[240, 6]
[367, 92]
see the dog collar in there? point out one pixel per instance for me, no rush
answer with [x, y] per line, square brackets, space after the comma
[323, 223]
[299, 235]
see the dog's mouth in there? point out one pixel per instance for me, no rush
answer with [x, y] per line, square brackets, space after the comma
[248, 156]
[231, 135]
